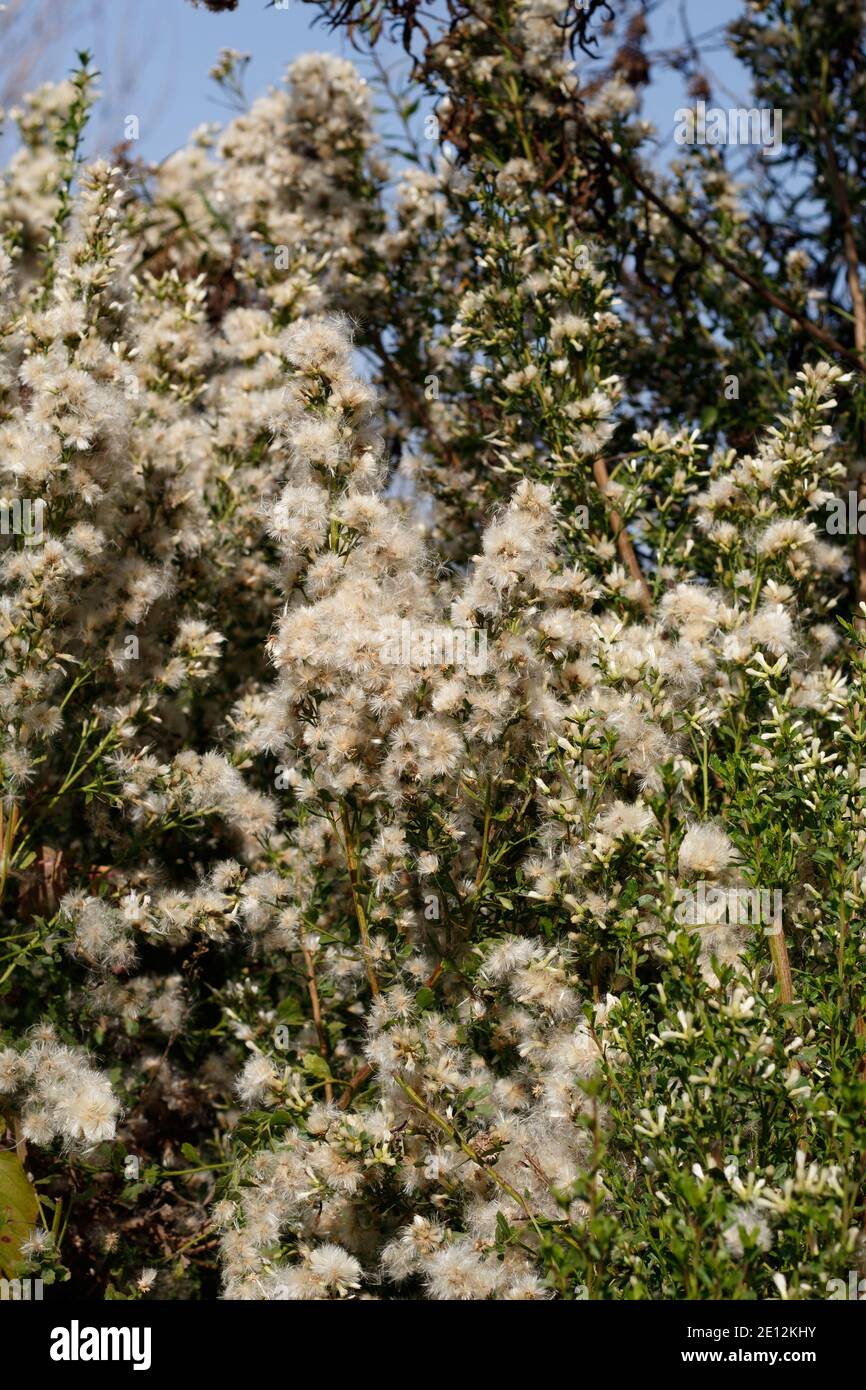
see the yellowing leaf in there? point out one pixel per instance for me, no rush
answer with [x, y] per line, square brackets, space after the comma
[19, 1213]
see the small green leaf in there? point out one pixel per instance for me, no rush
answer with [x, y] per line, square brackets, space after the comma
[316, 1065]
[289, 1011]
[503, 1230]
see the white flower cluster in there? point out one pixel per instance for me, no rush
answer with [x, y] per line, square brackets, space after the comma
[57, 1092]
[419, 898]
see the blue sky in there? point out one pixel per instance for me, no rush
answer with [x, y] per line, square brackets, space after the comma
[154, 56]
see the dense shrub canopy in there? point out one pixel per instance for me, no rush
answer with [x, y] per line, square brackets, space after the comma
[432, 686]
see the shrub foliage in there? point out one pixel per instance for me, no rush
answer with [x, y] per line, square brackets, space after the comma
[432, 685]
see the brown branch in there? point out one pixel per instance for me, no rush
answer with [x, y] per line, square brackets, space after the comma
[849, 243]
[313, 992]
[782, 966]
[354, 1086]
[623, 539]
[769, 296]
[626, 167]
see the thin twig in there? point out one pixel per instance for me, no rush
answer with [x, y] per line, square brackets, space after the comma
[352, 863]
[849, 243]
[354, 1086]
[682, 224]
[456, 1137]
[312, 990]
[623, 539]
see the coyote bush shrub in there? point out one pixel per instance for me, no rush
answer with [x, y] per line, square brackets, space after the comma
[433, 712]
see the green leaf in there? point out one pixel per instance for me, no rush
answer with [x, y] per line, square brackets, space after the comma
[19, 1213]
[425, 998]
[316, 1065]
[190, 1152]
[289, 1011]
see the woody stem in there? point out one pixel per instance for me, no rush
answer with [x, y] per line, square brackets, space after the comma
[352, 863]
[782, 966]
[622, 537]
[312, 990]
